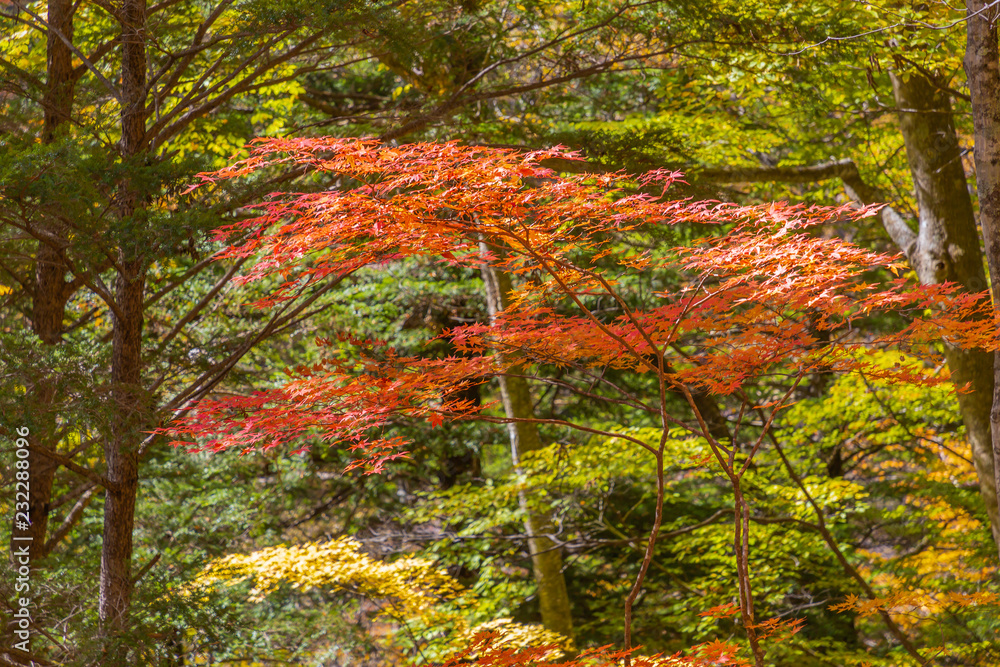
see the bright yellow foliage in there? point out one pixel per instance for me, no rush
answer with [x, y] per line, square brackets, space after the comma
[411, 585]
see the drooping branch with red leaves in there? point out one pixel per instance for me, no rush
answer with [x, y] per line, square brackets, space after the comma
[761, 298]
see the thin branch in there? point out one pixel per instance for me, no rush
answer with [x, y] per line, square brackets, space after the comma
[846, 170]
[69, 464]
[567, 424]
[185, 400]
[71, 494]
[188, 54]
[145, 569]
[179, 280]
[71, 519]
[202, 303]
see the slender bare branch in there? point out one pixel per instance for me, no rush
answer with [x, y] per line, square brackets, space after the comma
[72, 518]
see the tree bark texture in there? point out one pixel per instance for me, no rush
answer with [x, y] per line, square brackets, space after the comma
[982, 67]
[57, 102]
[946, 249]
[49, 297]
[121, 448]
[546, 556]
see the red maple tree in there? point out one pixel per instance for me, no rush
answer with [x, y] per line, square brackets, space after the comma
[761, 297]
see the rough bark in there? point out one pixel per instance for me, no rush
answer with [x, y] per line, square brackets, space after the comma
[546, 557]
[50, 291]
[48, 309]
[57, 102]
[982, 67]
[43, 471]
[946, 249]
[121, 449]
[121, 452]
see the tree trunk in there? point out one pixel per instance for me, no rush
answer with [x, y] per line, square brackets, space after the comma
[47, 312]
[947, 249]
[50, 290]
[42, 472]
[121, 449]
[546, 557]
[982, 67]
[57, 102]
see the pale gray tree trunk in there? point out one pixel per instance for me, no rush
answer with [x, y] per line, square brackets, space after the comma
[546, 556]
[946, 249]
